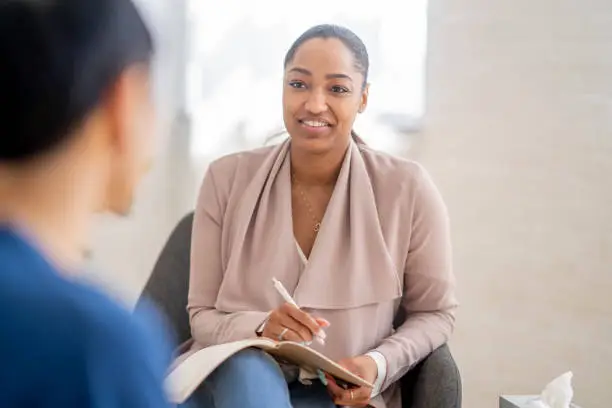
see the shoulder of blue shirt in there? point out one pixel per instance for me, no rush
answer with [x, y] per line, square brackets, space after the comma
[55, 326]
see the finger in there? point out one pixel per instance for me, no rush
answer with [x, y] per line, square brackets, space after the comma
[290, 335]
[303, 333]
[356, 394]
[322, 322]
[334, 389]
[274, 318]
[302, 317]
[274, 328]
[282, 333]
[359, 404]
[297, 326]
[353, 397]
[343, 397]
[279, 320]
[272, 323]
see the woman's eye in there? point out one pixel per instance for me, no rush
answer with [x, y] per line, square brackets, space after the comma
[339, 89]
[297, 84]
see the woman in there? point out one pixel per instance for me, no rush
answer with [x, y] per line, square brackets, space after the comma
[355, 235]
[75, 117]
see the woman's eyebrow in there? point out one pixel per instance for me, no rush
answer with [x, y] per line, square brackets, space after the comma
[304, 71]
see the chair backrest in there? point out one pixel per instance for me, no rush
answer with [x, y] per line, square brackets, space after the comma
[168, 284]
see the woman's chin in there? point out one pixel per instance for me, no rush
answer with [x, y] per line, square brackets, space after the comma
[313, 145]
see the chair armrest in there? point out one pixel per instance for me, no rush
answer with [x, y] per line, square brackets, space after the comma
[434, 383]
[168, 284]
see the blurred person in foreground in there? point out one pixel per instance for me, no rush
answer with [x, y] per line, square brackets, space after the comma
[359, 237]
[75, 109]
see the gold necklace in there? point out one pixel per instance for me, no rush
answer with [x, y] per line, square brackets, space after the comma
[317, 223]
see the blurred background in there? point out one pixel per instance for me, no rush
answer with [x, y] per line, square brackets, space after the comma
[508, 104]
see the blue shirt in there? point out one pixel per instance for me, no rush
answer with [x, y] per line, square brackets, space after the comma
[64, 344]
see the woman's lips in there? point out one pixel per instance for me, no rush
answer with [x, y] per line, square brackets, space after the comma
[315, 126]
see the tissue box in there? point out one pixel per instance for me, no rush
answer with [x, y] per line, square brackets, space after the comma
[516, 401]
[520, 401]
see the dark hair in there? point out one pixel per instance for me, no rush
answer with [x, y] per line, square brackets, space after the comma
[348, 38]
[59, 57]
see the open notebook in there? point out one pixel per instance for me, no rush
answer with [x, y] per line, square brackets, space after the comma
[191, 369]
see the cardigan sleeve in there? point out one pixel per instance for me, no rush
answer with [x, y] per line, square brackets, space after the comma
[428, 300]
[208, 325]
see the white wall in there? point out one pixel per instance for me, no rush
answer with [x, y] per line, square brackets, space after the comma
[519, 137]
[167, 21]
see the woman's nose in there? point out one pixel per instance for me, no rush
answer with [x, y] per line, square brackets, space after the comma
[316, 102]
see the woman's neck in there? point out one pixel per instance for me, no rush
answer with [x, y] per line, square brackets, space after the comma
[317, 169]
[49, 210]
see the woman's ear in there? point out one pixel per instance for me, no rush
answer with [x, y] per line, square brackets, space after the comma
[363, 104]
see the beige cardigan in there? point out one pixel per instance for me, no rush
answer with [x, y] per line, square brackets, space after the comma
[383, 245]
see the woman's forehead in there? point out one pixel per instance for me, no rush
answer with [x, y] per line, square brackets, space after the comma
[324, 56]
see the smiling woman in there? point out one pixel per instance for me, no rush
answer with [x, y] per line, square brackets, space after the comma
[355, 235]
[325, 88]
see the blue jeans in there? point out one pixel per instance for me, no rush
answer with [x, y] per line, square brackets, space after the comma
[253, 379]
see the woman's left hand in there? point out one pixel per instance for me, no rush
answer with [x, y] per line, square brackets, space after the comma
[365, 367]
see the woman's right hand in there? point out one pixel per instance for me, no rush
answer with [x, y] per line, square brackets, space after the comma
[292, 324]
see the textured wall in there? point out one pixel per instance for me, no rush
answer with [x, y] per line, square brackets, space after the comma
[519, 138]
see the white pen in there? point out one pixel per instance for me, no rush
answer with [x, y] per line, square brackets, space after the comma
[280, 288]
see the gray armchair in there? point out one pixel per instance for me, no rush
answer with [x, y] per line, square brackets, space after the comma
[433, 383]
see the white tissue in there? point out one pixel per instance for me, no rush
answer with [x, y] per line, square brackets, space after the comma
[557, 394]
